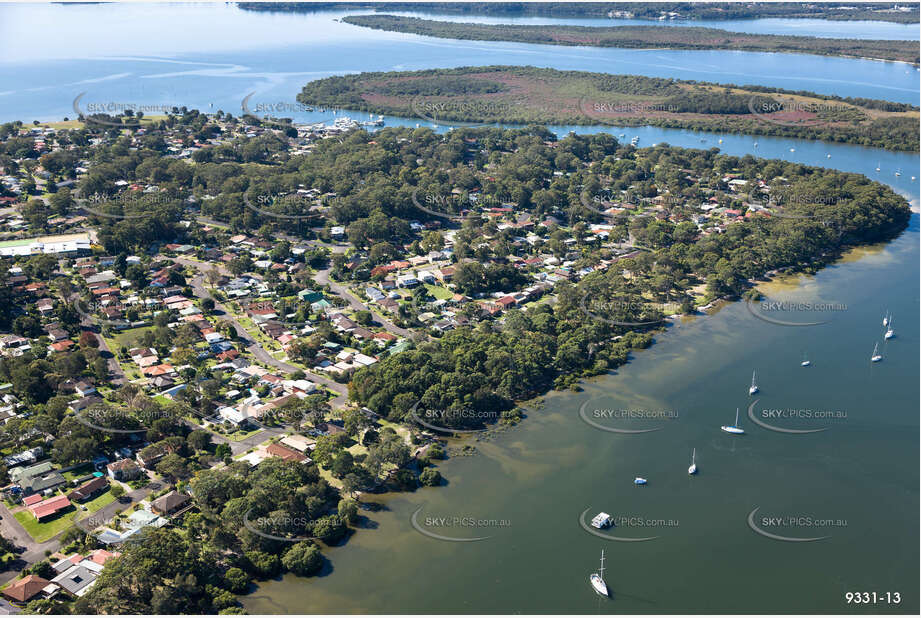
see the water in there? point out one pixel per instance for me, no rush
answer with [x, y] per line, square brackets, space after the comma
[543, 474]
[210, 57]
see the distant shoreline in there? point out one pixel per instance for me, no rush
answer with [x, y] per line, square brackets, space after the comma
[644, 37]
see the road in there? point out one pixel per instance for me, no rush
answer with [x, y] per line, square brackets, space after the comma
[35, 552]
[117, 376]
[252, 346]
[322, 277]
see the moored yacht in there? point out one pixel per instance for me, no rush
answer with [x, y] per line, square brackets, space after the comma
[805, 362]
[754, 387]
[890, 333]
[597, 579]
[639, 481]
[693, 468]
[876, 355]
[734, 428]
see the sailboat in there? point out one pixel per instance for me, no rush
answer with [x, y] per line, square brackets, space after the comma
[828, 156]
[597, 579]
[898, 172]
[805, 362]
[886, 318]
[876, 355]
[754, 387]
[734, 428]
[890, 333]
[693, 468]
[877, 167]
[793, 150]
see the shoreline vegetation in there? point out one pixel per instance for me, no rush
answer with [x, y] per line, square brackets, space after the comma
[684, 11]
[614, 237]
[643, 37]
[529, 95]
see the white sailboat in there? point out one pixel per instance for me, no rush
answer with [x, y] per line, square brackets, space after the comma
[877, 167]
[876, 355]
[886, 318]
[805, 362]
[754, 387]
[890, 333]
[693, 468]
[597, 579]
[734, 428]
[898, 172]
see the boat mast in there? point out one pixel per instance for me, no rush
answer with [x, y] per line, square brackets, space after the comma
[601, 570]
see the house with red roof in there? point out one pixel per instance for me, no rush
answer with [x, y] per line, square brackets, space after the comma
[26, 588]
[50, 507]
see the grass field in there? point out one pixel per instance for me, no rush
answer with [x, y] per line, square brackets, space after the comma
[43, 531]
[439, 292]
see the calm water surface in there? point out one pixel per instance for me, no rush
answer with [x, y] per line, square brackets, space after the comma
[862, 473]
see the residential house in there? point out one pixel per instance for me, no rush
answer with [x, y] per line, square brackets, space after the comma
[168, 504]
[26, 588]
[288, 454]
[47, 509]
[124, 470]
[89, 490]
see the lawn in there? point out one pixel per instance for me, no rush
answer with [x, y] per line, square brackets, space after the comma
[78, 472]
[439, 292]
[98, 502]
[127, 338]
[43, 531]
[240, 435]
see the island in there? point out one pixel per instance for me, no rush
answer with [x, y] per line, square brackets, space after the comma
[658, 11]
[523, 95]
[643, 37]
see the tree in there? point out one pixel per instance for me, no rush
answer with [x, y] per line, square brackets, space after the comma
[430, 477]
[117, 491]
[303, 558]
[237, 580]
[173, 467]
[199, 440]
[88, 340]
[348, 510]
